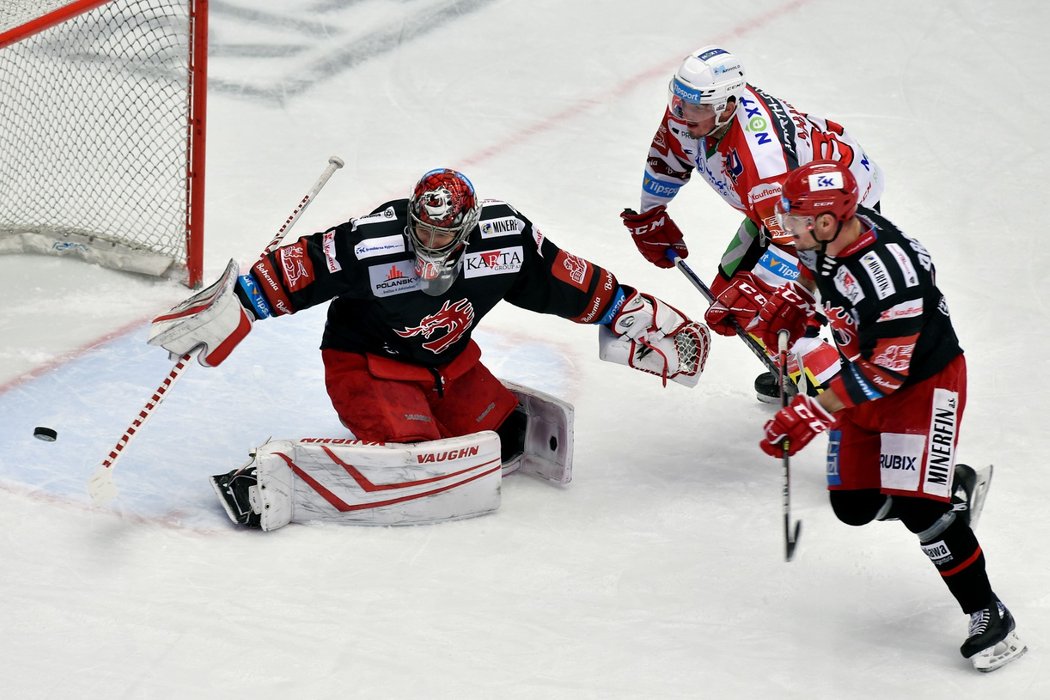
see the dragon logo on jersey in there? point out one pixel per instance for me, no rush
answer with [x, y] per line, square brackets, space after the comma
[572, 270]
[297, 267]
[456, 318]
[844, 330]
[893, 357]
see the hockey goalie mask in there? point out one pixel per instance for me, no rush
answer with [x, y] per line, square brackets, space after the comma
[442, 212]
[702, 87]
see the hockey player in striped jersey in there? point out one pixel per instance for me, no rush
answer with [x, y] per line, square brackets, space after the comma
[895, 408]
[743, 142]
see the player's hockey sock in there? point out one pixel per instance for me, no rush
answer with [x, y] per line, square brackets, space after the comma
[953, 548]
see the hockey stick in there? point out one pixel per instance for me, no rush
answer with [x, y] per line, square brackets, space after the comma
[790, 536]
[752, 344]
[100, 486]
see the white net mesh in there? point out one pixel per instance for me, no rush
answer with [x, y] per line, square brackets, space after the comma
[692, 342]
[94, 129]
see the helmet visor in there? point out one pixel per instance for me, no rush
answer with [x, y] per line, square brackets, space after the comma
[691, 114]
[792, 226]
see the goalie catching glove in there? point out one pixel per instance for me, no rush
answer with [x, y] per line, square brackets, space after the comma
[213, 320]
[652, 336]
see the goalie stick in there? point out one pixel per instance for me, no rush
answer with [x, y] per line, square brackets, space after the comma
[790, 534]
[100, 486]
[753, 345]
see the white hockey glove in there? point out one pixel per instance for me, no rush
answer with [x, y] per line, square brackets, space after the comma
[652, 336]
[213, 320]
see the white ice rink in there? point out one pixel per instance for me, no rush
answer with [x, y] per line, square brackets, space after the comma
[658, 572]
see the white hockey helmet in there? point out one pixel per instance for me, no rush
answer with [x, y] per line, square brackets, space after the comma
[708, 76]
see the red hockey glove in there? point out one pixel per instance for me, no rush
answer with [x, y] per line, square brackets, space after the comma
[654, 233]
[739, 301]
[790, 307]
[794, 426]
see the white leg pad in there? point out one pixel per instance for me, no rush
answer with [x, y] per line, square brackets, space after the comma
[548, 436]
[361, 483]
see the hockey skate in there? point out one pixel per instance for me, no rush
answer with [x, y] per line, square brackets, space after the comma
[237, 493]
[991, 641]
[969, 492]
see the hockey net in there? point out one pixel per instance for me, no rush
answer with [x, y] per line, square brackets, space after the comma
[102, 113]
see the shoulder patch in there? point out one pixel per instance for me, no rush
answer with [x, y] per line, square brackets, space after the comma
[501, 261]
[396, 278]
[911, 277]
[296, 266]
[905, 309]
[879, 275]
[503, 226]
[373, 247]
[848, 286]
[328, 244]
[573, 270]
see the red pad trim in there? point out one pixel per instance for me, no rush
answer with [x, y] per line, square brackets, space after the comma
[344, 507]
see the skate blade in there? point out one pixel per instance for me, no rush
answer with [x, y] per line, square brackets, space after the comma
[1000, 654]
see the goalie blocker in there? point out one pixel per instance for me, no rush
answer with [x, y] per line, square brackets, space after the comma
[367, 483]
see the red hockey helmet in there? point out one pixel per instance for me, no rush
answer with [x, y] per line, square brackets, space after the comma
[820, 187]
[442, 212]
[443, 205]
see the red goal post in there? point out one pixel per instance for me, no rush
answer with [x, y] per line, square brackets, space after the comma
[102, 132]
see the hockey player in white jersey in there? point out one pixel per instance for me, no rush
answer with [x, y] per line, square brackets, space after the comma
[743, 142]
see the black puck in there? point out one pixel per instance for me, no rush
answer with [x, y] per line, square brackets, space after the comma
[45, 434]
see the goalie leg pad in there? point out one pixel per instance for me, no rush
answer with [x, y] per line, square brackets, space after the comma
[366, 483]
[546, 450]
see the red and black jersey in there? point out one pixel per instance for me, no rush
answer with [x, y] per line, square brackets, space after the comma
[366, 268]
[889, 319]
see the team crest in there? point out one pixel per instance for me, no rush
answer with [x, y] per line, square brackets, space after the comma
[455, 318]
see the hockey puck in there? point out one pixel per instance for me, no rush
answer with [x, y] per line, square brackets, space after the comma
[45, 434]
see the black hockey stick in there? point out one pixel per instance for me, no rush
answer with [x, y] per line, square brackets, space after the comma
[790, 535]
[753, 345]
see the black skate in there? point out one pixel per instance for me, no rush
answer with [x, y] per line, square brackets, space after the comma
[991, 641]
[969, 490]
[237, 493]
